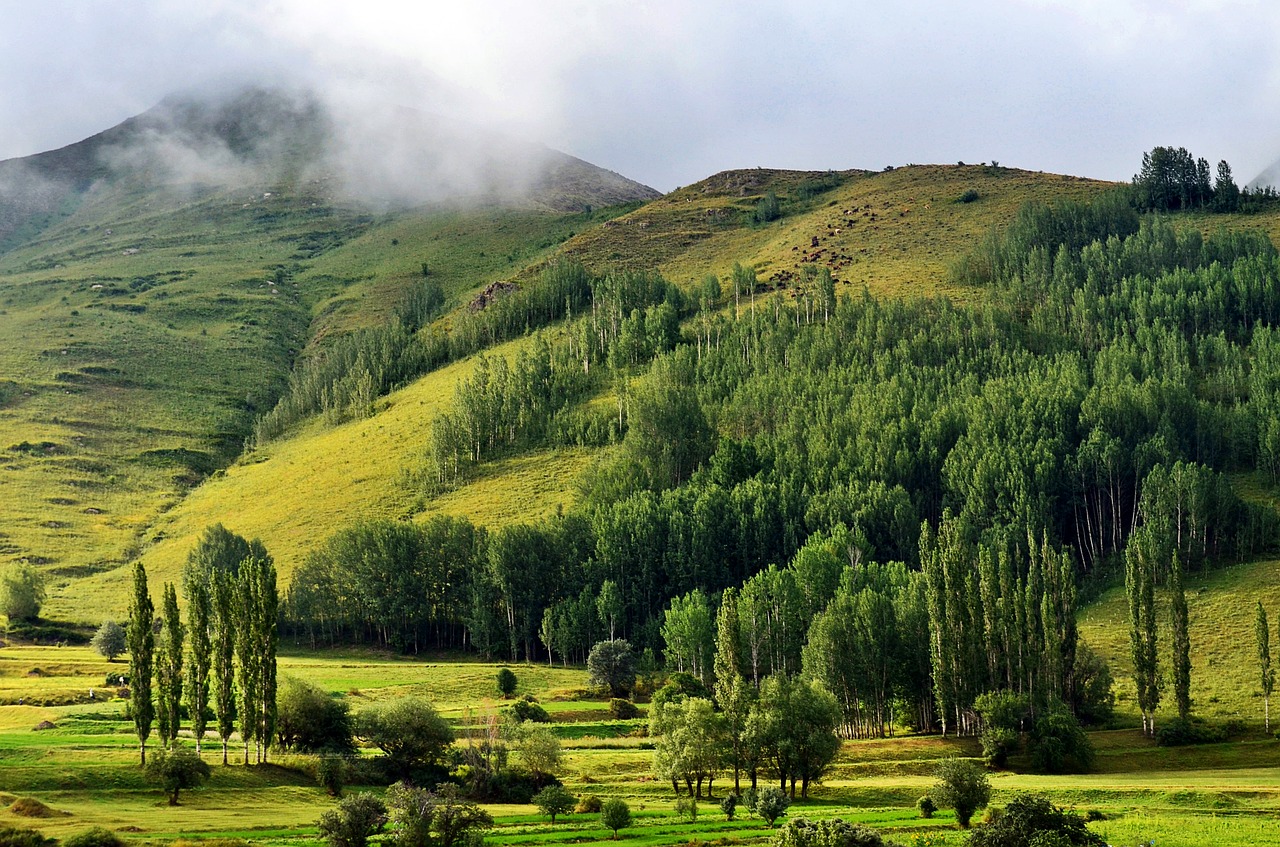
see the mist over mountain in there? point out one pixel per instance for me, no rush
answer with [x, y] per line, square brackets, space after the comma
[355, 151]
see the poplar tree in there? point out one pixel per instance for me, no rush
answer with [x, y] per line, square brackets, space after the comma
[223, 642]
[1262, 633]
[1181, 640]
[142, 645]
[1140, 590]
[199, 656]
[267, 637]
[247, 656]
[169, 669]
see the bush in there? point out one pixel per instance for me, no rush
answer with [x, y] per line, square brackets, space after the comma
[21, 592]
[687, 808]
[771, 803]
[1003, 713]
[1176, 732]
[835, 832]
[1059, 745]
[96, 837]
[969, 196]
[353, 821]
[729, 805]
[1032, 819]
[623, 709]
[12, 836]
[749, 797]
[615, 814]
[926, 807]
[331, 773]
[588, 804]
[506, 682]
[308, 720]
[962, 785]
[527, 708]
[1093, 700]
[439, 818]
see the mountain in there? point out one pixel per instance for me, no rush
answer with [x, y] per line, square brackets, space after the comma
[379, 156]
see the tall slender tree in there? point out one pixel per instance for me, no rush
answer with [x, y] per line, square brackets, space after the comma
[223, 642]
[247, 655]
[169, 669]
[1262, 634]
[142, 645]
[199, 658]
[1181, 632]
[1140, 590]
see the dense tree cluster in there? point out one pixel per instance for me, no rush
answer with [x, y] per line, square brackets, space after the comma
[916, 484]
[227, 648]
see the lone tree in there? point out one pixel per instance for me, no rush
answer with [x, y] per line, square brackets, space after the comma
[176, 770]
[21, 592]
[439, 818]
[771, 802]
[1262, 633]
[142, 647]
[963, 786]
[615, 814]
[612, 664]
[554, 800]
[506, 683]
[110, 640]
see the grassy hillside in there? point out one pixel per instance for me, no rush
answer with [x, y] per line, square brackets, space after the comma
[906, 229]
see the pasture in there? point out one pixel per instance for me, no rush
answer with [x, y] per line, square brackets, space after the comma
[83, 766]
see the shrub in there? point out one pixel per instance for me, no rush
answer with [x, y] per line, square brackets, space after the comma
[1032, 819]
[615, 814]
[440, 818]
[962, 785]
[96, 837]
[588, 804]
[1177, 732]
[331, 773]
[1059, 745]
[749, 797]
[771, 803]
[308, 720]
[554, 800]
[21, 592]
[506, 682]
[623, 709]
[835, 832]
[12, 836]
[1002, 715]
[926, 807]
[729, 805]
[527, 708]
[353, 821]
[969, 196]
[1093, 700]
[687, 808]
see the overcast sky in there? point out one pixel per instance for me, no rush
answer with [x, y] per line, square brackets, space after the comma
[672, 91]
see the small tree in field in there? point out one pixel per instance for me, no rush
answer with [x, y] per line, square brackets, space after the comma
[963, 786]
[612, 664]
[110, 641]
[176, 770]
[771, 802]
[615, 814]
[506, 683]
[554, 800]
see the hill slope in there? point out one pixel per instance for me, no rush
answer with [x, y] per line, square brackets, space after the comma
[300, 493]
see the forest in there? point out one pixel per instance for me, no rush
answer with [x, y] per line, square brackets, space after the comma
[925, 485]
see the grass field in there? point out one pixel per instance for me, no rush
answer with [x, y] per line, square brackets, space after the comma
[84, 767]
